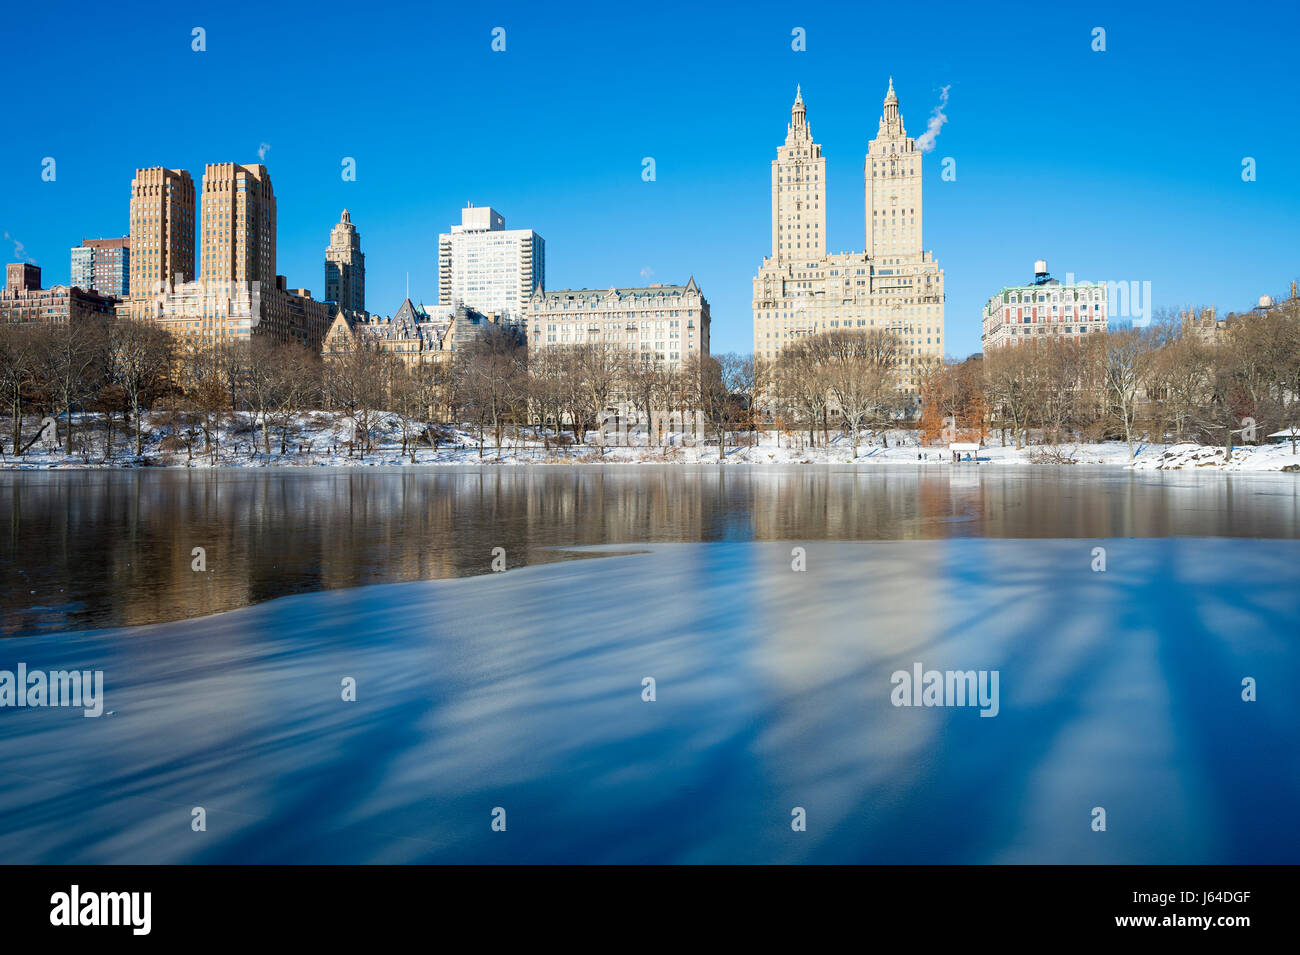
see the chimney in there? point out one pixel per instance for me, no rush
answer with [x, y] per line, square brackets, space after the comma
[23, 276]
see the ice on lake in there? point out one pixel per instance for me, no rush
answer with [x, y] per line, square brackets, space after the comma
[522, 690]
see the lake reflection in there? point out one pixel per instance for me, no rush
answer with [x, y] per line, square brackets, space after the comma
[93, 549]
[524, 690]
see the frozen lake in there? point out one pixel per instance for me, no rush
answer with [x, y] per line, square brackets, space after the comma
[94, 549]
[775, 689]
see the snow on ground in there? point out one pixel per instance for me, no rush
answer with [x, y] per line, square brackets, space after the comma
[1274, 457]
[323, 439]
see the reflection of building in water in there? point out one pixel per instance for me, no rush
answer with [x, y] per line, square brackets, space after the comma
[116, 549]
[822, 644]
[963, 480]
[99, 549]
[815, 503]
[151, 569]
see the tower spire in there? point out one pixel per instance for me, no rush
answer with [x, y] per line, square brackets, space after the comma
[890, 115]
[798, 115]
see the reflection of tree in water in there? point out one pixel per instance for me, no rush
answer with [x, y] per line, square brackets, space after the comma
[101, 548]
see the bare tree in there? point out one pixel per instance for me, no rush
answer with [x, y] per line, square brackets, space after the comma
[140, 361]
[261, 382]
[1011, 383]
[19, 363]
[73, 365]
[590, 385]
[492, 380]
[212, 375]
[297, 386]
[858, 371]
[705, 386]
[799, 386]
[1182, 370]
[1058, 373]
[356, 382]
[742, 376]
[1123, 358]
[549, 370]
[646, 384]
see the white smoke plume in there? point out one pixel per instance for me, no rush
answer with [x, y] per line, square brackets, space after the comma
[20, 253]
[925, 142]
[261, 150]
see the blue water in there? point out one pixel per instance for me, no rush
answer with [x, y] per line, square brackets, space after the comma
[522, 690]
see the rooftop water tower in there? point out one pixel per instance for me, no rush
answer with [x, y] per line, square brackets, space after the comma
[1040, 272]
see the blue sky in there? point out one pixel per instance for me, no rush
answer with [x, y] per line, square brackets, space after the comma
[1124, 165]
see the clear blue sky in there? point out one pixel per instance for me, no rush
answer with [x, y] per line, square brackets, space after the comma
[1122, 165]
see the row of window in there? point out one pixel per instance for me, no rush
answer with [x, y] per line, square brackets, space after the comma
[1089, 295]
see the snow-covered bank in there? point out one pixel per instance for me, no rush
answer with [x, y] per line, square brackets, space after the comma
[1275, 457]
[325, 439]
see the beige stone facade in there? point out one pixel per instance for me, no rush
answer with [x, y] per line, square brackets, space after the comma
[894, 285]
[237, 293]
[660, 323]
[798, 191]
[1204, 324]
[237, 227]
[416, 334]
[162, 231]
[345, 267]
[223, 310]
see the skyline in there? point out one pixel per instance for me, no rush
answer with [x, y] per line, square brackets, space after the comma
[1154, 193]
[582, 434]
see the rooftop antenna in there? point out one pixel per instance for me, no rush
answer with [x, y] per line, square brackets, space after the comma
[408, 284]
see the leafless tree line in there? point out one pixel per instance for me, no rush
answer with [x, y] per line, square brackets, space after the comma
[849, 380]
[1167, 382]
[563, 393]
[105, 378]
[1171, 381]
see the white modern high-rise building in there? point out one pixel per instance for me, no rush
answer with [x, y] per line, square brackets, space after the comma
[487, 267]
[892, 286]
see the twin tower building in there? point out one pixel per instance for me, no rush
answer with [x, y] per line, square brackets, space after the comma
[229, 230]
[892, 286]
